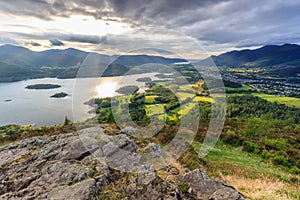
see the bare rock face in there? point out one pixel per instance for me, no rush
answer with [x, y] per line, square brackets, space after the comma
[65, 167]
[202, 187]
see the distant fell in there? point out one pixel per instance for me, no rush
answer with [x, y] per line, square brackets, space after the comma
[267, 56]
[19, 63]
[23, 57]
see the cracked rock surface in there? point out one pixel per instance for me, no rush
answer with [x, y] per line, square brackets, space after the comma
[64, 167]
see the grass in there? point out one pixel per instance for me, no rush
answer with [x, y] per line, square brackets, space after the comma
[188, 87]
[289, 101]
[249, 174]
[157, 109]
[172, 117]
[234, 94]
[225, 154]
[150, 99]
[206, 99]
[254, 176]
[185, 109]
[183, 95]
[263, 189]
[244, 87]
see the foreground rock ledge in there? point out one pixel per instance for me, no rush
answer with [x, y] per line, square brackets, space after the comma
[61, 167]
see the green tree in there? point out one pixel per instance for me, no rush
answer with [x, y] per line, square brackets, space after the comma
[67, 121]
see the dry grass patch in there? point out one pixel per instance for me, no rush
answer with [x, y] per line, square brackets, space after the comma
[263, 188]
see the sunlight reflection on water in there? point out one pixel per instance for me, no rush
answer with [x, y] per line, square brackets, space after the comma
[106, 89]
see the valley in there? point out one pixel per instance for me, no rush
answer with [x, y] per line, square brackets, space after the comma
[259, 143]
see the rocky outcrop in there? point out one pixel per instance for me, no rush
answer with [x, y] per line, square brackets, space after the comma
[65, 167]
[202, 187]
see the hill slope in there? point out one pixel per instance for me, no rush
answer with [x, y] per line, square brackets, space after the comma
[267, 56]
[19, 63]
[23, 57]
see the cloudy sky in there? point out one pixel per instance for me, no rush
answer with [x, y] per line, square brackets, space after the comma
[110, 26]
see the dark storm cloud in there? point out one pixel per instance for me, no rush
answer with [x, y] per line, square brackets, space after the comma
[84, 38]
[35, 44]
[40, 9]
[137, 10]
[238, 23]
[47, 9]
[156, 12]
[221, 22]
[56, 42]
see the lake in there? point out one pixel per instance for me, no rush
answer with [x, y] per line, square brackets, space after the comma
[22, 106]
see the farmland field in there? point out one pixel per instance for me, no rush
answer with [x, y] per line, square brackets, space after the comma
[289, 101]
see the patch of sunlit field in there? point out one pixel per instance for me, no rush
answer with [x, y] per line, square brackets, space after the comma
[244, 87]
[185, 109]
[156, 109]
[206, 99]
[188, 88]
[289, 101]
[184, 95]
[173, 117]
[150, 99]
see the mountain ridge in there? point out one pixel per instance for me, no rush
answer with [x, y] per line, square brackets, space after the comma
[65, 62]
[266, 56]
[70, 57]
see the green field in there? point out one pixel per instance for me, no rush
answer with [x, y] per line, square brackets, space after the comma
[185, 109]
[244, 87]
[188, 88]
[157, 109]
[183, 95]
[289, 101]
[206, 99]
[150, 99]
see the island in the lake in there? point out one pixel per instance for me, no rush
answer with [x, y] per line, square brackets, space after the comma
[42, 86]
[130, 89]
[59, 95]
[144, 79]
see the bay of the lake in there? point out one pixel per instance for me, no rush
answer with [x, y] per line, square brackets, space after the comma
[22, 106]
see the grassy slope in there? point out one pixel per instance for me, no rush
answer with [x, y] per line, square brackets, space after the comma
[289, 101]
[248, 173]
[245, 171]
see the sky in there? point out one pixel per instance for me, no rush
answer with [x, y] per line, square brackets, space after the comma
[113, 26]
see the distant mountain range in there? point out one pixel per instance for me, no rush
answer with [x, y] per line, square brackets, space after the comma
[23, 57]
[19, 63]
[267, 56]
